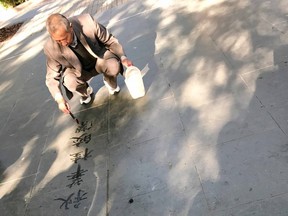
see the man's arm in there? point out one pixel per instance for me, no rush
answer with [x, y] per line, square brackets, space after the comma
[111, 43]
[53, 79]
[53, 75]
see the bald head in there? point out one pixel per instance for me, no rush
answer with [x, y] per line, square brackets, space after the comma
[60, 29]
[56, 22]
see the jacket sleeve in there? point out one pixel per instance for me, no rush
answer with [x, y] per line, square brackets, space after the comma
[53, 74]
[108, 39]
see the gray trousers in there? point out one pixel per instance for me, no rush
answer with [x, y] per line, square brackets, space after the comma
[110, 66]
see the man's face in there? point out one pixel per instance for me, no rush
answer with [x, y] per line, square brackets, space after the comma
[63, 37]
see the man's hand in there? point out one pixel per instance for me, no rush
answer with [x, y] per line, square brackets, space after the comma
[63, 106]
[126, 62]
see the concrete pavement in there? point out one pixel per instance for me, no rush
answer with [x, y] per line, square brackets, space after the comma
[209, 137]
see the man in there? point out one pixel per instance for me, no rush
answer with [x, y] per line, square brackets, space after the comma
[78, 49]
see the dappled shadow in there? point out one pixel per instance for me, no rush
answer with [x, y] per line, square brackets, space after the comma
[246, 164]
[178, 150]
[30, 120]
[236, 159]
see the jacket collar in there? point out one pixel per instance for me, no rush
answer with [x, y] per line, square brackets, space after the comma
[82, 39]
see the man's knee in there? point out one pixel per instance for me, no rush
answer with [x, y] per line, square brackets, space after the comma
[113, 67]
[70, 81]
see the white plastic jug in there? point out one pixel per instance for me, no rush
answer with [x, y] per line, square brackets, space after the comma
[134, 82]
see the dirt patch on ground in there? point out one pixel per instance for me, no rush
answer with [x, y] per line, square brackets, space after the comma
[7, 32]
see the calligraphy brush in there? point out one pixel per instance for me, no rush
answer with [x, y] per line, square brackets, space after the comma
[73, 117]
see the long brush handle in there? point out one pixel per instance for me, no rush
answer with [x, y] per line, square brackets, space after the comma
[73, 117]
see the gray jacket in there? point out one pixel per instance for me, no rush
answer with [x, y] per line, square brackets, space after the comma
[94, 37]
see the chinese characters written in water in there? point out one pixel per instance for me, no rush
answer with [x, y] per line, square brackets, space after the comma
[75, 178]
[81, 155]
[73, 199]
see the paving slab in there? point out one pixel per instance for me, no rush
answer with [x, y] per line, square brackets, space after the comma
[273, 206]
[15, 196]
[227, 118]
[267, 84]
[272, 12]
[139, 125]
[221, 168]
[17, 161]
[7, 105]
[280, 116]
[246, 39]
[82, 200]
[73, 168]
[150, 176]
